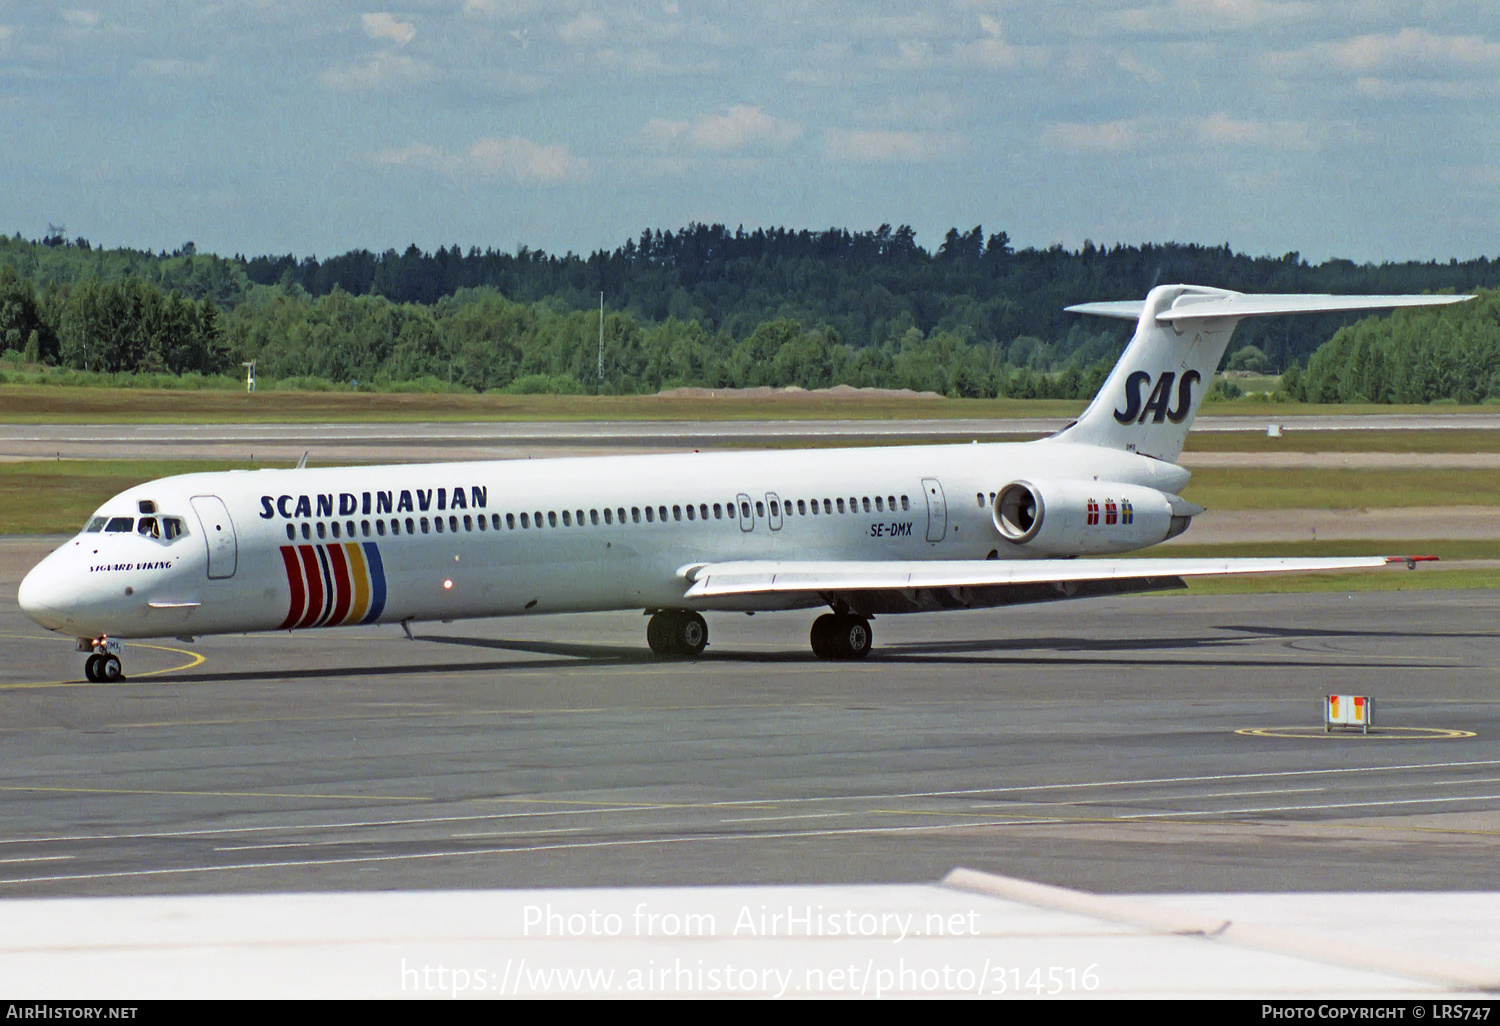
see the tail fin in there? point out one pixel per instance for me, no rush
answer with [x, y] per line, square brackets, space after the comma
[1150, 399]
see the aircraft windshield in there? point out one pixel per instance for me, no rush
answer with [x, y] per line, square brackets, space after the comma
[161, 528]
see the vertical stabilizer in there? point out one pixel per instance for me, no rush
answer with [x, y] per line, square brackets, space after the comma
[1149, 400]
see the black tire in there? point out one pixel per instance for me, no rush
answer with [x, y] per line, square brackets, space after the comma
[110, 670]
[91, 668]
[659, 633]
[822, 635]
[690, 634]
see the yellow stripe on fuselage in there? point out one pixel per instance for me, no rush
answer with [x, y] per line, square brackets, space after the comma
[359, 576]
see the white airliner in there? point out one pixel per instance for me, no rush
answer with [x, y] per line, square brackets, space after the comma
[865, 532]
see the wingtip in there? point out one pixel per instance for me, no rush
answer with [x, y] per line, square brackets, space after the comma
[1411, 561]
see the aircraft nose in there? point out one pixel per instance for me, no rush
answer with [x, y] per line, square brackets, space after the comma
[44, 596]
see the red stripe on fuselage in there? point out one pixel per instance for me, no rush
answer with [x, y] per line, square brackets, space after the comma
[293, 582]
[314, 573]
[343, 590]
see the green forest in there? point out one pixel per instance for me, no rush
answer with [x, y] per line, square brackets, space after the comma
[707, 306]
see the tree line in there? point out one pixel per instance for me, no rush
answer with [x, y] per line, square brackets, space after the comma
[699, 306]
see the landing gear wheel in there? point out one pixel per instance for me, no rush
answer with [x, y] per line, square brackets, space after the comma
[854, 638]
[692, 634]
[658, 633]
[91, 668]
[110, 670]
[822, 634]
[841, 636]
[677, 632]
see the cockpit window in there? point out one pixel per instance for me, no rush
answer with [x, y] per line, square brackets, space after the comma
[119, 525]
[171, 528]
[148, 527]
[96, 525]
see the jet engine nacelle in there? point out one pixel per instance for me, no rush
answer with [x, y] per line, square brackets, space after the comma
[1069, 518]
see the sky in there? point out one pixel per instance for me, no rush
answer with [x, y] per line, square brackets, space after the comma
[1363, 129]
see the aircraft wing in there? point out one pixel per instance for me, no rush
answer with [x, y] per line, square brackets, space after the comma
[908, 586]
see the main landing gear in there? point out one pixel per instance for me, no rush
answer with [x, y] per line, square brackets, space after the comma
[103, 666]
[676, 632]
[841, 636]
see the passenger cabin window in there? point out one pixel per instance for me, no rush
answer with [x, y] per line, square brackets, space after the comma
[635, 514]
[905, 503]
[676, 512]
[306, 531]
[291, 532]
[650, 514]
[718, 512]
[879, 506]
[380, 528]
[322, 529]
[335, 527]
[594, 516]
[841, 505]
[760, 508]
[866, 501]
[608, 518]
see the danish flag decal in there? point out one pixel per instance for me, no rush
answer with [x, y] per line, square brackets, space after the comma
[332, 585]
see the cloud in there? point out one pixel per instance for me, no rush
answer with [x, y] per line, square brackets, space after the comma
[991, 51]
[80, 18]
[1221, 130]
[382, 71]
[886, 146]
[512, 157]
[1093, 139]
[385, 26]
[172, 68]
[740, 127]
[1412, 50]
[1197, 16]
[585, 29]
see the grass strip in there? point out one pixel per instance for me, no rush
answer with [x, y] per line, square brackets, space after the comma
[1229, 488]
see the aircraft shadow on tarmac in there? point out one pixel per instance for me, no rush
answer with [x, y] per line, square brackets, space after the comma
[1007, 651]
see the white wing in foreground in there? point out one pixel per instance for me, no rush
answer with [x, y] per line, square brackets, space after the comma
[910, 586]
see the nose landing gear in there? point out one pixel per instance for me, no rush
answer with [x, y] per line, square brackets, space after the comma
[103, 666]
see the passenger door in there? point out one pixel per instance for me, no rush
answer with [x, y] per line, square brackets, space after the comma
[218, 532]
[937, 509]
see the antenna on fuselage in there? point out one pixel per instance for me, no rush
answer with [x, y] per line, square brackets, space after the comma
[302, 463]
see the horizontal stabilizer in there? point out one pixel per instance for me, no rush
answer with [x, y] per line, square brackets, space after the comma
[1125, 309]
[1198, 304]
[764, 577]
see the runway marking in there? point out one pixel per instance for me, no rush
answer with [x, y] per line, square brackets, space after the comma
[1375, 734]
[741, 803]
[221, 794]
[688, 839]
[196, 659]
[38, 858]
[809, 815]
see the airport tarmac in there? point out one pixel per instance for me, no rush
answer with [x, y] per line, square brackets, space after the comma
[1101, 744]
[402, 442]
